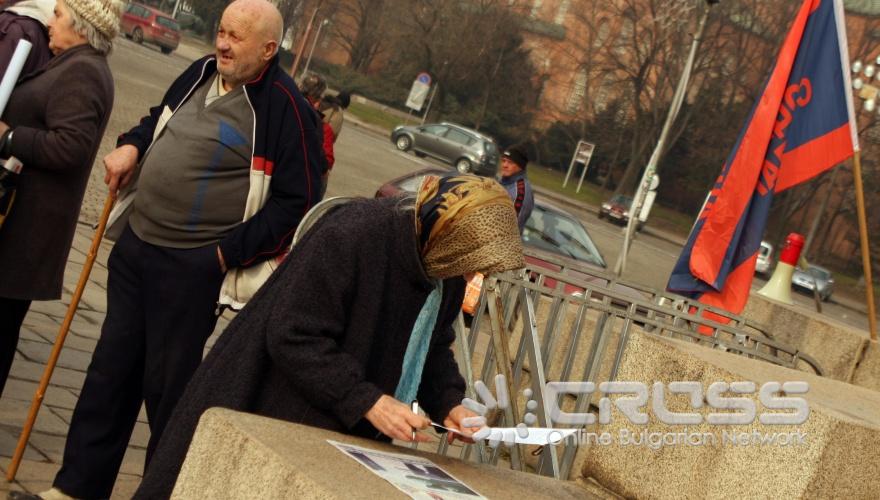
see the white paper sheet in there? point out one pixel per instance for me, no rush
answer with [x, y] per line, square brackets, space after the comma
[534, 435]
[13, 71]
[418, 477]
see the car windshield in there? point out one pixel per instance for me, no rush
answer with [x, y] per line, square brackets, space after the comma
[411, 184]
[168, 23]
[621, 199]
[553, 231]
[820, 273]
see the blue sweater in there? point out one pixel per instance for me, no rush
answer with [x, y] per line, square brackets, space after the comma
[286, 145]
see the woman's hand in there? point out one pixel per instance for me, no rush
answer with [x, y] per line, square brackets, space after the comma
[3, 127]
[120, 164]
[455, 420]
[396, 420]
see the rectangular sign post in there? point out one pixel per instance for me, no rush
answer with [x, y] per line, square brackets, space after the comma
[419, 92]
[582, 154]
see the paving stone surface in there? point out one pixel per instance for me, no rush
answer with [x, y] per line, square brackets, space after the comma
[42, 458]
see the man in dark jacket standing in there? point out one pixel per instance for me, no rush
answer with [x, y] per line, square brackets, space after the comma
[513, 177]
[232, 136]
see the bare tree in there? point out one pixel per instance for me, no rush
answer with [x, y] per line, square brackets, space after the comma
[361, 29]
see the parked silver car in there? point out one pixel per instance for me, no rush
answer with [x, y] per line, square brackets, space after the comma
[466, 149]
[814, 276]
[765, 259]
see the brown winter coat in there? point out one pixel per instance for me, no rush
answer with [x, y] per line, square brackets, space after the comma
[58, 115]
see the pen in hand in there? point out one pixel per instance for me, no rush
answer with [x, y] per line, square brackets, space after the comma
[415, 409]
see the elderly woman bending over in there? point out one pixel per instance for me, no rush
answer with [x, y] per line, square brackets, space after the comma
[357, 322]
[53, 123]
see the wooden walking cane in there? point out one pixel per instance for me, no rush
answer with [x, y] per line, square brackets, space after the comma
[59, 343]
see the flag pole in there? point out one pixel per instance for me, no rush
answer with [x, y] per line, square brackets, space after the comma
[863, 236]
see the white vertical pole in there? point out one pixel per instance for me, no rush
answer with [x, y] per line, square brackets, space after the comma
[312, 51]
[639, 199]
[571, 165]
[430, 100]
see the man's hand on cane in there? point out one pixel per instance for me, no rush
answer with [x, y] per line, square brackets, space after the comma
[120, 165]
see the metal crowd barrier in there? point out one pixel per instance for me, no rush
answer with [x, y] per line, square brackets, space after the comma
[605, 310]
[588, 318]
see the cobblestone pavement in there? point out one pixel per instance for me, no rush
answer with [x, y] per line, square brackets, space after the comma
[43, 455]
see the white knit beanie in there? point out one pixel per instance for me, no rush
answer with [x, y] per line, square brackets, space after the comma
[102, 14]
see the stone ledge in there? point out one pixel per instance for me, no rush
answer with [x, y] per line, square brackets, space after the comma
[844, 353]
[838, 460]
[238, 455]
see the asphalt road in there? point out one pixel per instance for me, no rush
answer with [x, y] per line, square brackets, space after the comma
[364, 161]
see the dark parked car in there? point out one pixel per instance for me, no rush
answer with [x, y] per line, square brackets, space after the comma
[468, 150]
[146, 24]
[616, 209]
[814, 276]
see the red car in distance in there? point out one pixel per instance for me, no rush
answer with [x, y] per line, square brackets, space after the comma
[146, 24]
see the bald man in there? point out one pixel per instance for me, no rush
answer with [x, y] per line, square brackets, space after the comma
[225, 166]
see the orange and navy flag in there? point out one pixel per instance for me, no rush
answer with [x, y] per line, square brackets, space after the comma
[801, 125]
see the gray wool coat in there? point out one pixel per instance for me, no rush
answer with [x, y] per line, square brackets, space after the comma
[58, 115]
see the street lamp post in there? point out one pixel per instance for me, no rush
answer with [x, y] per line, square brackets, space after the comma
[325, 22]
[302, 43]
[651, 169]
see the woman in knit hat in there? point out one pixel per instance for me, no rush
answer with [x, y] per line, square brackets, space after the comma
[53, 123]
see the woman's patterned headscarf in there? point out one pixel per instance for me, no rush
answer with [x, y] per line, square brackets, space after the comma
[466, 224]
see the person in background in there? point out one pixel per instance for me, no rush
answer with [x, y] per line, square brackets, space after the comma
[232, 139]
[332, 107]
[26, 20]
[346, 340]
[513, 177]
[53, 123]
[313, 87]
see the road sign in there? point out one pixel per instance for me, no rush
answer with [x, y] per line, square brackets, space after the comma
[419, 91]
[582, 154]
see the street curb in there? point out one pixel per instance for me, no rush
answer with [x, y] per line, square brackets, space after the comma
[350, 118]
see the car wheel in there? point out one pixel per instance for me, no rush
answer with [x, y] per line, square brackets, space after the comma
[137, 35]
[463, 165]
[166, 50]
[403, 142]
